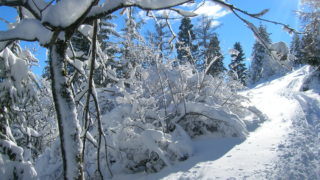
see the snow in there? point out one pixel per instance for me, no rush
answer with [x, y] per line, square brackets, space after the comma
[285, 146]
[65, 12]
[234, 52]
[110, 5]
[86, 30]
[184, 13]
[280, 49]
[28, 29]
[231, 124]
[67, 111]
[23, 169]
[3, 44]
[19, 70]
[156, 4]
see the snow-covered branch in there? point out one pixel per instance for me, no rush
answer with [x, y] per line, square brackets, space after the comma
[65, 13]
[110, 6]
[28, 30]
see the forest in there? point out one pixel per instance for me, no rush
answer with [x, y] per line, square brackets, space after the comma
[116, 104]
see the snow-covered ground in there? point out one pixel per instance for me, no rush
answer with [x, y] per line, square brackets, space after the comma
[286, 146]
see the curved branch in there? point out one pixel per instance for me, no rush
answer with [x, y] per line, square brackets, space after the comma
[252, 15]
[111, 6]
[69, 25]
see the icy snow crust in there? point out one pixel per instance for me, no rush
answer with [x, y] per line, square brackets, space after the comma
[286, 146]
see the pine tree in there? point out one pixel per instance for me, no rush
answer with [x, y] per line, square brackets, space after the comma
[204, 32]
[186, 49]
[259, 55]
[106, 32]
[131, 46]
[18, 94]
[80, 43]
[159, 39]
[311, 26]
[214, 53]
[237, 67]
[107, 29]
[295, 49]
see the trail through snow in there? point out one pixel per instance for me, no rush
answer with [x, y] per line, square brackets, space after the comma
[286, 146]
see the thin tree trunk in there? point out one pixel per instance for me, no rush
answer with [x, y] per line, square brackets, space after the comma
[68, 123]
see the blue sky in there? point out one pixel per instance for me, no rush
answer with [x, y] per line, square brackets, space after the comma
[232, 29]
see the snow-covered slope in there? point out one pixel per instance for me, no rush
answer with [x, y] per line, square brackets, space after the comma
[286, 146]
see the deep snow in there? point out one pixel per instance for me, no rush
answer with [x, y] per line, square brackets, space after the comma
[285, 146]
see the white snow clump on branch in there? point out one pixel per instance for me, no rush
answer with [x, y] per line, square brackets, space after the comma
[65, 12]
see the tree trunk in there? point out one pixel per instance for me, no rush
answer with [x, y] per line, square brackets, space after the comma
[68, 123]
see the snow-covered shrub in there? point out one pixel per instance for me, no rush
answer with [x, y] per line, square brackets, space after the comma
[149, 123]
[196, 101]
[149, 113]
[149, 116]
[150, 149]
[137, 137]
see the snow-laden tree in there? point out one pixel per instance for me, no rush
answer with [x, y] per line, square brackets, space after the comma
[204, 33]
[17, 130]
[311, 26]
[131, 46]
[260, 55]
[310, 45]
[268, 59]
[186, 47]
[237, 66]
[160, 38]
[215, 57]
[296, 50]
[107, 31]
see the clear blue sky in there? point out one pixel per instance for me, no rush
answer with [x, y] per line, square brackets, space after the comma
[232, 29]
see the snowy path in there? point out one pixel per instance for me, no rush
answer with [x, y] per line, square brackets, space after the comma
[287, 146]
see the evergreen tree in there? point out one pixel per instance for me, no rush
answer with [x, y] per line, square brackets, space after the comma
[214, 53]
[204, 32]
[109, 49]
[160, 38]
[131, 46]
[107, 29]
[311, 26]
[259, 55]
[186, 48]
[295, 49]
[237, 67]
[80, 43]
[19, 95]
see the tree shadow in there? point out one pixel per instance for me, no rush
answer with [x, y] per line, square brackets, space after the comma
[205, 149]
